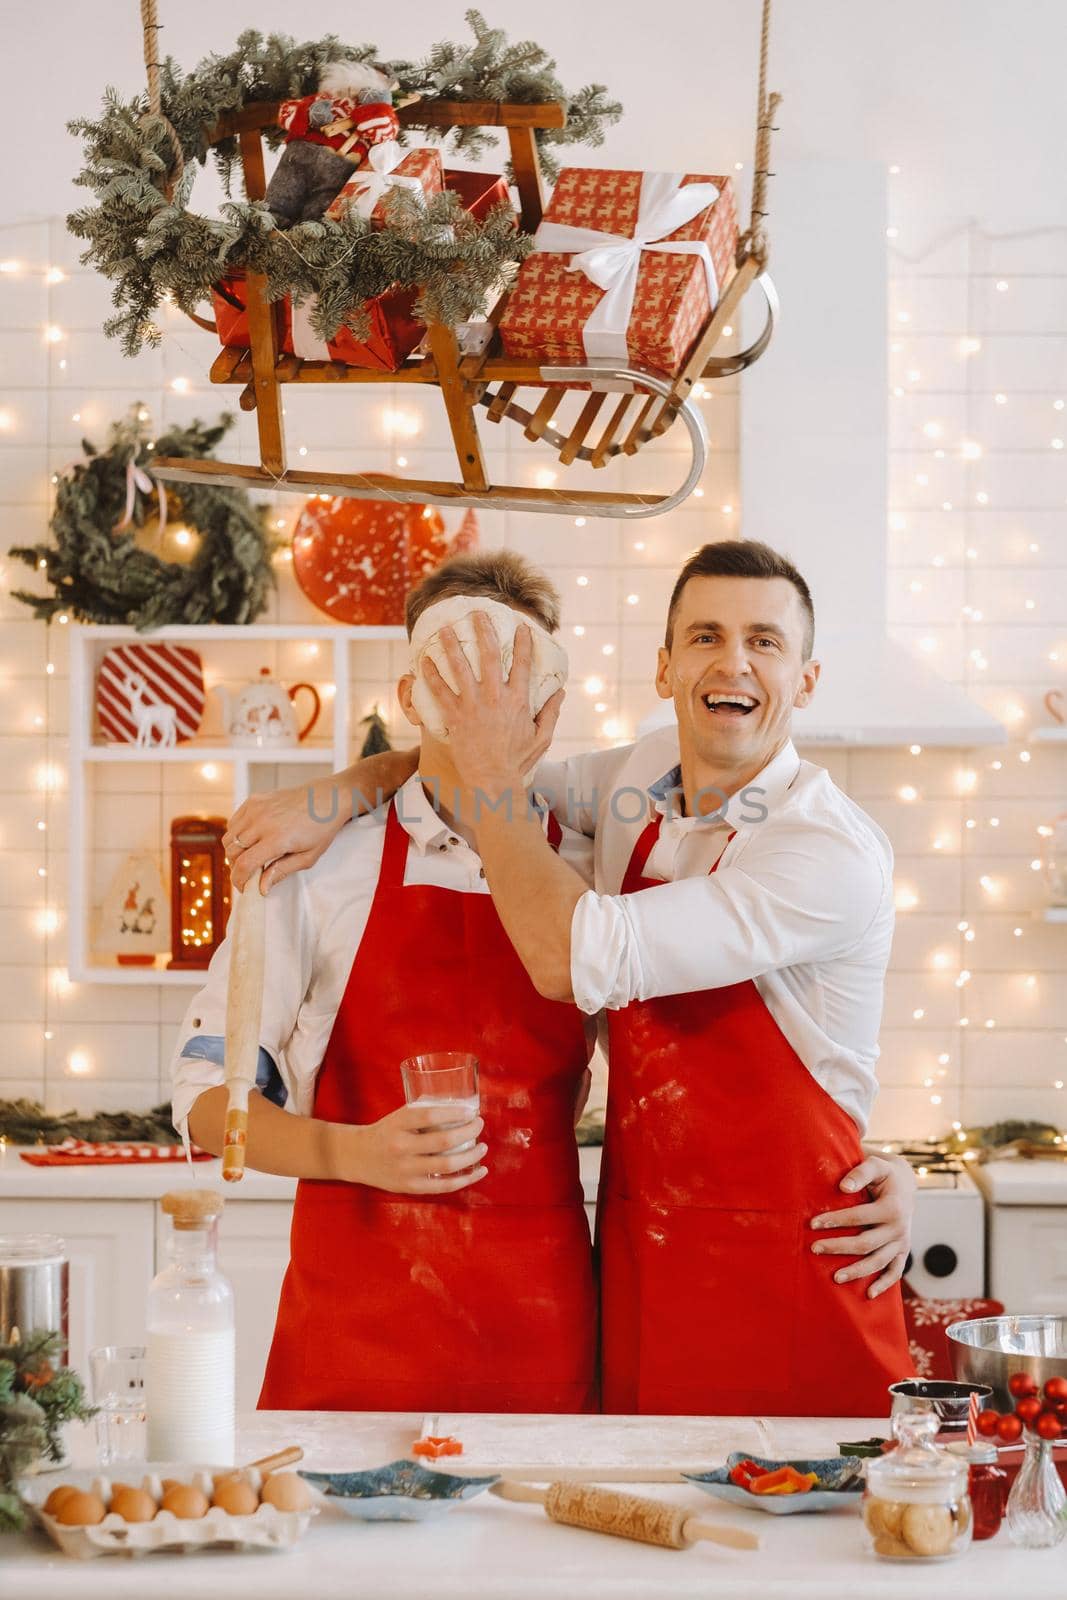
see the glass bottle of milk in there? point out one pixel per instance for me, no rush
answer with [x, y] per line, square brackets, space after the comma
[189, 1377]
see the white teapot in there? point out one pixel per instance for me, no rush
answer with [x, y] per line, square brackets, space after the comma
[262, 715]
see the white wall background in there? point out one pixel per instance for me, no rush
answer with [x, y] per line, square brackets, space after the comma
[964, 99]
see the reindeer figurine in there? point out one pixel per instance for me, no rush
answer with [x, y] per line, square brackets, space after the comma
[150, 715]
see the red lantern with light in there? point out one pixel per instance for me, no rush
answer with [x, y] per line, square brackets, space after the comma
[199, 890]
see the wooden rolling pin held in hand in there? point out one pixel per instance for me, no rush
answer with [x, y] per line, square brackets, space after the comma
[244, 1003]
[628, 1516]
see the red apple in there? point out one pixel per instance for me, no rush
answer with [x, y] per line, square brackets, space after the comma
[1021, 1384]
[1010, 1429]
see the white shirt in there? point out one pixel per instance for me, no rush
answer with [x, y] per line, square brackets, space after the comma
[315, 924]
[801, 901]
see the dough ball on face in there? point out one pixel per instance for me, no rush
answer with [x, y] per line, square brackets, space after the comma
[548, 667]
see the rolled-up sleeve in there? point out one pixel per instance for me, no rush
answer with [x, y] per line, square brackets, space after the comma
[198, 1061]
[806, 898]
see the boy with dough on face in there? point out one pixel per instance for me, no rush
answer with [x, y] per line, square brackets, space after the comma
[432, 1268]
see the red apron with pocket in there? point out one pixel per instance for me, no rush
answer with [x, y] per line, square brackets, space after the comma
[481, 1300]
[720, 1147]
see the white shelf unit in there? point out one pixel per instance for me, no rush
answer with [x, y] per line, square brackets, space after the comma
[87, 643]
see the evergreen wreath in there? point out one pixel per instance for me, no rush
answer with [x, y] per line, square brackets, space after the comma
[151, 245]
[97, 573]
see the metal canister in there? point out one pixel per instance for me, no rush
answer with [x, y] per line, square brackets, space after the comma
[34, 1284]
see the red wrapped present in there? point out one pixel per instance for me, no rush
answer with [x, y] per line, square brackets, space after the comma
[627, 268]
[419, 171]
[394, 332]
[231, 313]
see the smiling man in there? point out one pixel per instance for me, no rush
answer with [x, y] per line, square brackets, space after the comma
[738, 940]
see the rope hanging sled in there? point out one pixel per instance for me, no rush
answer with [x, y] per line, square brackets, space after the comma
[644, 403]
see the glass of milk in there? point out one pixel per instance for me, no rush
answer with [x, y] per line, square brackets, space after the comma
[444, 1078]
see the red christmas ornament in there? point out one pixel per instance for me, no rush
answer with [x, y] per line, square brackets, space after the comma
[988, 1423]
[1048, 1426]
[1056, 1389]
[357, 559]
[1010, 1429]
[1028, 1408]
[1021, 1384]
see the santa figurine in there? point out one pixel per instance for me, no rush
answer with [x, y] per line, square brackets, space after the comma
[329, 134]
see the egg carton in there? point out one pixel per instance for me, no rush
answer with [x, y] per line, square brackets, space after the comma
[266, 1529]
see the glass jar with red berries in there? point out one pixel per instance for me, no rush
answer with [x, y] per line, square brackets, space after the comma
[987, 1485]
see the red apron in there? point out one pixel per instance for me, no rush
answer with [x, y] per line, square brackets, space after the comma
[477, 1301]
[720, 1147]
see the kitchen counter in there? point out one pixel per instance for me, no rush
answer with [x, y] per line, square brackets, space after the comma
[503, 1551]
[21, 1181]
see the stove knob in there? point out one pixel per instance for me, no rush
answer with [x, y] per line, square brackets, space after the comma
[941, 1261]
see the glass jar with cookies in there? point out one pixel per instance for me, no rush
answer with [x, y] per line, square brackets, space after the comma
[916, 1506]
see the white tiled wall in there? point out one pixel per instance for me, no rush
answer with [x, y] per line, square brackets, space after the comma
[122, 1036]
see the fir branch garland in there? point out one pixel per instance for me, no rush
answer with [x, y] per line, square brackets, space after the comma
[98, 574]
[37, 1396]
[151, 246]
[26, 1122]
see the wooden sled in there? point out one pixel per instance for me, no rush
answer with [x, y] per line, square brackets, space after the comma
[626, 411]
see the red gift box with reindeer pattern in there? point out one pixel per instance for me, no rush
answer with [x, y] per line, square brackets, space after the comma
[551, 306]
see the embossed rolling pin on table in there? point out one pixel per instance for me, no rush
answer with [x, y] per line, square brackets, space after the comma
[498, 1549]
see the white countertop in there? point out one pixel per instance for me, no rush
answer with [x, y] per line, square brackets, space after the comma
[21, 1181]
[503, 1551]
[1041, 1182]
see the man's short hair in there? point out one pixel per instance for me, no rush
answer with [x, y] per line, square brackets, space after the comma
[492, 575]
[743, 558]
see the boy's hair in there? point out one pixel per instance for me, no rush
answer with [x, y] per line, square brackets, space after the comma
[743, 558]
[495, 575]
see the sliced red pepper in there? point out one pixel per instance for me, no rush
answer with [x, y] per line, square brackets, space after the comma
[744, 1472]
[786, 1480]
[436, 1445]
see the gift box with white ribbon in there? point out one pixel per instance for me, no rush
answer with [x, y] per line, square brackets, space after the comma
[627, 268]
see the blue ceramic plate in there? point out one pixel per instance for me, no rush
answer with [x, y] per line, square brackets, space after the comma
[840, 1481]
[401, 1492]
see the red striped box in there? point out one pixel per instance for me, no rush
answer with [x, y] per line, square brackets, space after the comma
[150, 694]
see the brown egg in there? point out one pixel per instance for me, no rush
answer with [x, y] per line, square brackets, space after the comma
[235, 1496]
[132, 1505]
[57, 1497]
[286, 1492]
[184, 1501]
[80, 1510]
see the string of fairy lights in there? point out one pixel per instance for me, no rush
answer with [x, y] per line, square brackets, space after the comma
[969, 456]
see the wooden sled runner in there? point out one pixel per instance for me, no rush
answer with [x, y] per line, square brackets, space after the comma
[626, 410]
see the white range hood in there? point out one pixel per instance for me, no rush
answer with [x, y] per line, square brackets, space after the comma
[814, 460]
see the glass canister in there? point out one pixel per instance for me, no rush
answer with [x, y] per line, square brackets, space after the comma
[916, 1506]
[987, 1485]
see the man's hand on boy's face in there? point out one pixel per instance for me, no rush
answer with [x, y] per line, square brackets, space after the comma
[885, 1218]
[492, 739]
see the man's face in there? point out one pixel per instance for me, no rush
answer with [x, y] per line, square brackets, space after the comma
[736, 669]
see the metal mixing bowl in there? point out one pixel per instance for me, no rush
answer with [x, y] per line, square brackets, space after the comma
[990, 1349]
[948, 1401]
